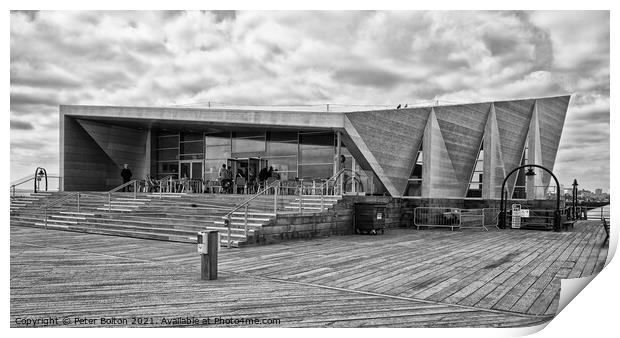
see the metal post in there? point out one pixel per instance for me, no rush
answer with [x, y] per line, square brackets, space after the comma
[322, 201]
[45, 224]
[208, 261]
[246, 221]
[135, 189]
[275, 200]
[109, 202]
[301, 186]
[228, 233]
[78, 198]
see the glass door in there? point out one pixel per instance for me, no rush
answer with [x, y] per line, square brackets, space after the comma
[190, 169]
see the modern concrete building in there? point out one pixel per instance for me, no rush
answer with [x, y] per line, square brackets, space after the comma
[452, 151]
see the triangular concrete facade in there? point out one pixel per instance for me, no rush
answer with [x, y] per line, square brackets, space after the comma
[552, 113]
[513, 123]
[389, 140]
[462, 129]
[493, 159]
[439, 179]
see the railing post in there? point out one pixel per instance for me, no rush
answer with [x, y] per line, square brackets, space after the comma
[300, 194]
[228, 244]
[135, 189]
[45, 218]
[109, 202]
[275, 200]
[78, 198]
[322, 201]
[246, 221]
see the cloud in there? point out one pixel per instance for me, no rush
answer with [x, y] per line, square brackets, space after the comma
[160, 58]
[368, 76]
[21, 125]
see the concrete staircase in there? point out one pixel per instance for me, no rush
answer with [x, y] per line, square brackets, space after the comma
[21, 201]
[169, 217]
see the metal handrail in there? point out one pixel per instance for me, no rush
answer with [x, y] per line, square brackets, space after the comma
[26, 180]
[135, 191]
[274, 185]
[64, 199]
[333, 178]
[161, 181]
[239, 206]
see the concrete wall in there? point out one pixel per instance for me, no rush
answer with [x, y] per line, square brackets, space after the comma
[85, 166]
[93, 154]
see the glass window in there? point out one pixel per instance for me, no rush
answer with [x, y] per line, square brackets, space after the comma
[167, 168]
[316, 170]
[191, 137]
[240, 145]
[191, 157]
[218, 139]
[414, 188]
[168, 142]
[316, 139]
[251, 134]
[213, 152]
[168, 155]
[317, 155]
[283, 136]
[283, 163]
[281, 149]
[212, 169]
[191, 147]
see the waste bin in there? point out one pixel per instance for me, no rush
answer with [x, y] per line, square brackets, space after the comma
[369, 218]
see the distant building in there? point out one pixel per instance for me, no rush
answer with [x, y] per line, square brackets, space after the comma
[453, 151]
[598, 192]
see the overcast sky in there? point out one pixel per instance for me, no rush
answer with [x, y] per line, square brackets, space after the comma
[261, 58]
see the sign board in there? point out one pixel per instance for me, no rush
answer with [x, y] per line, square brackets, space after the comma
[516, 216]
[202, 242]
[379, 215]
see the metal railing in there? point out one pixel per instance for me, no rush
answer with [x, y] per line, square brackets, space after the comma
[245, 204]
[437, 217]
[455, 217]
[124, 185]
[64, 199]
[34, 179]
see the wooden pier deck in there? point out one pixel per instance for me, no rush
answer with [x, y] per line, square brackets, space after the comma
[405, 278]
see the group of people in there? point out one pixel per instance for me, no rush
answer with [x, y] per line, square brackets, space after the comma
[243, 180]
[226, 177]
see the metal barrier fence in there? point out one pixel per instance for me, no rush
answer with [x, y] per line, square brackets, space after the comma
[456, 218]
[472, 218]
[491, 217]
[437, 217]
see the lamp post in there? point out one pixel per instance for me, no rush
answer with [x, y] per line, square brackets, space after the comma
[575, 198]
[39, 174]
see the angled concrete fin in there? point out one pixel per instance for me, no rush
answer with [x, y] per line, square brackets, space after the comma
[389, 141]
[439, 179]
[462, 128]
[552, 113]
[513, 123]
[493, 160]
[534, 185]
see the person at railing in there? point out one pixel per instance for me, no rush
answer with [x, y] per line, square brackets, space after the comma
[262, 177]
[240, 182]
[184, 184]
[222, 176]
[126, 175]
